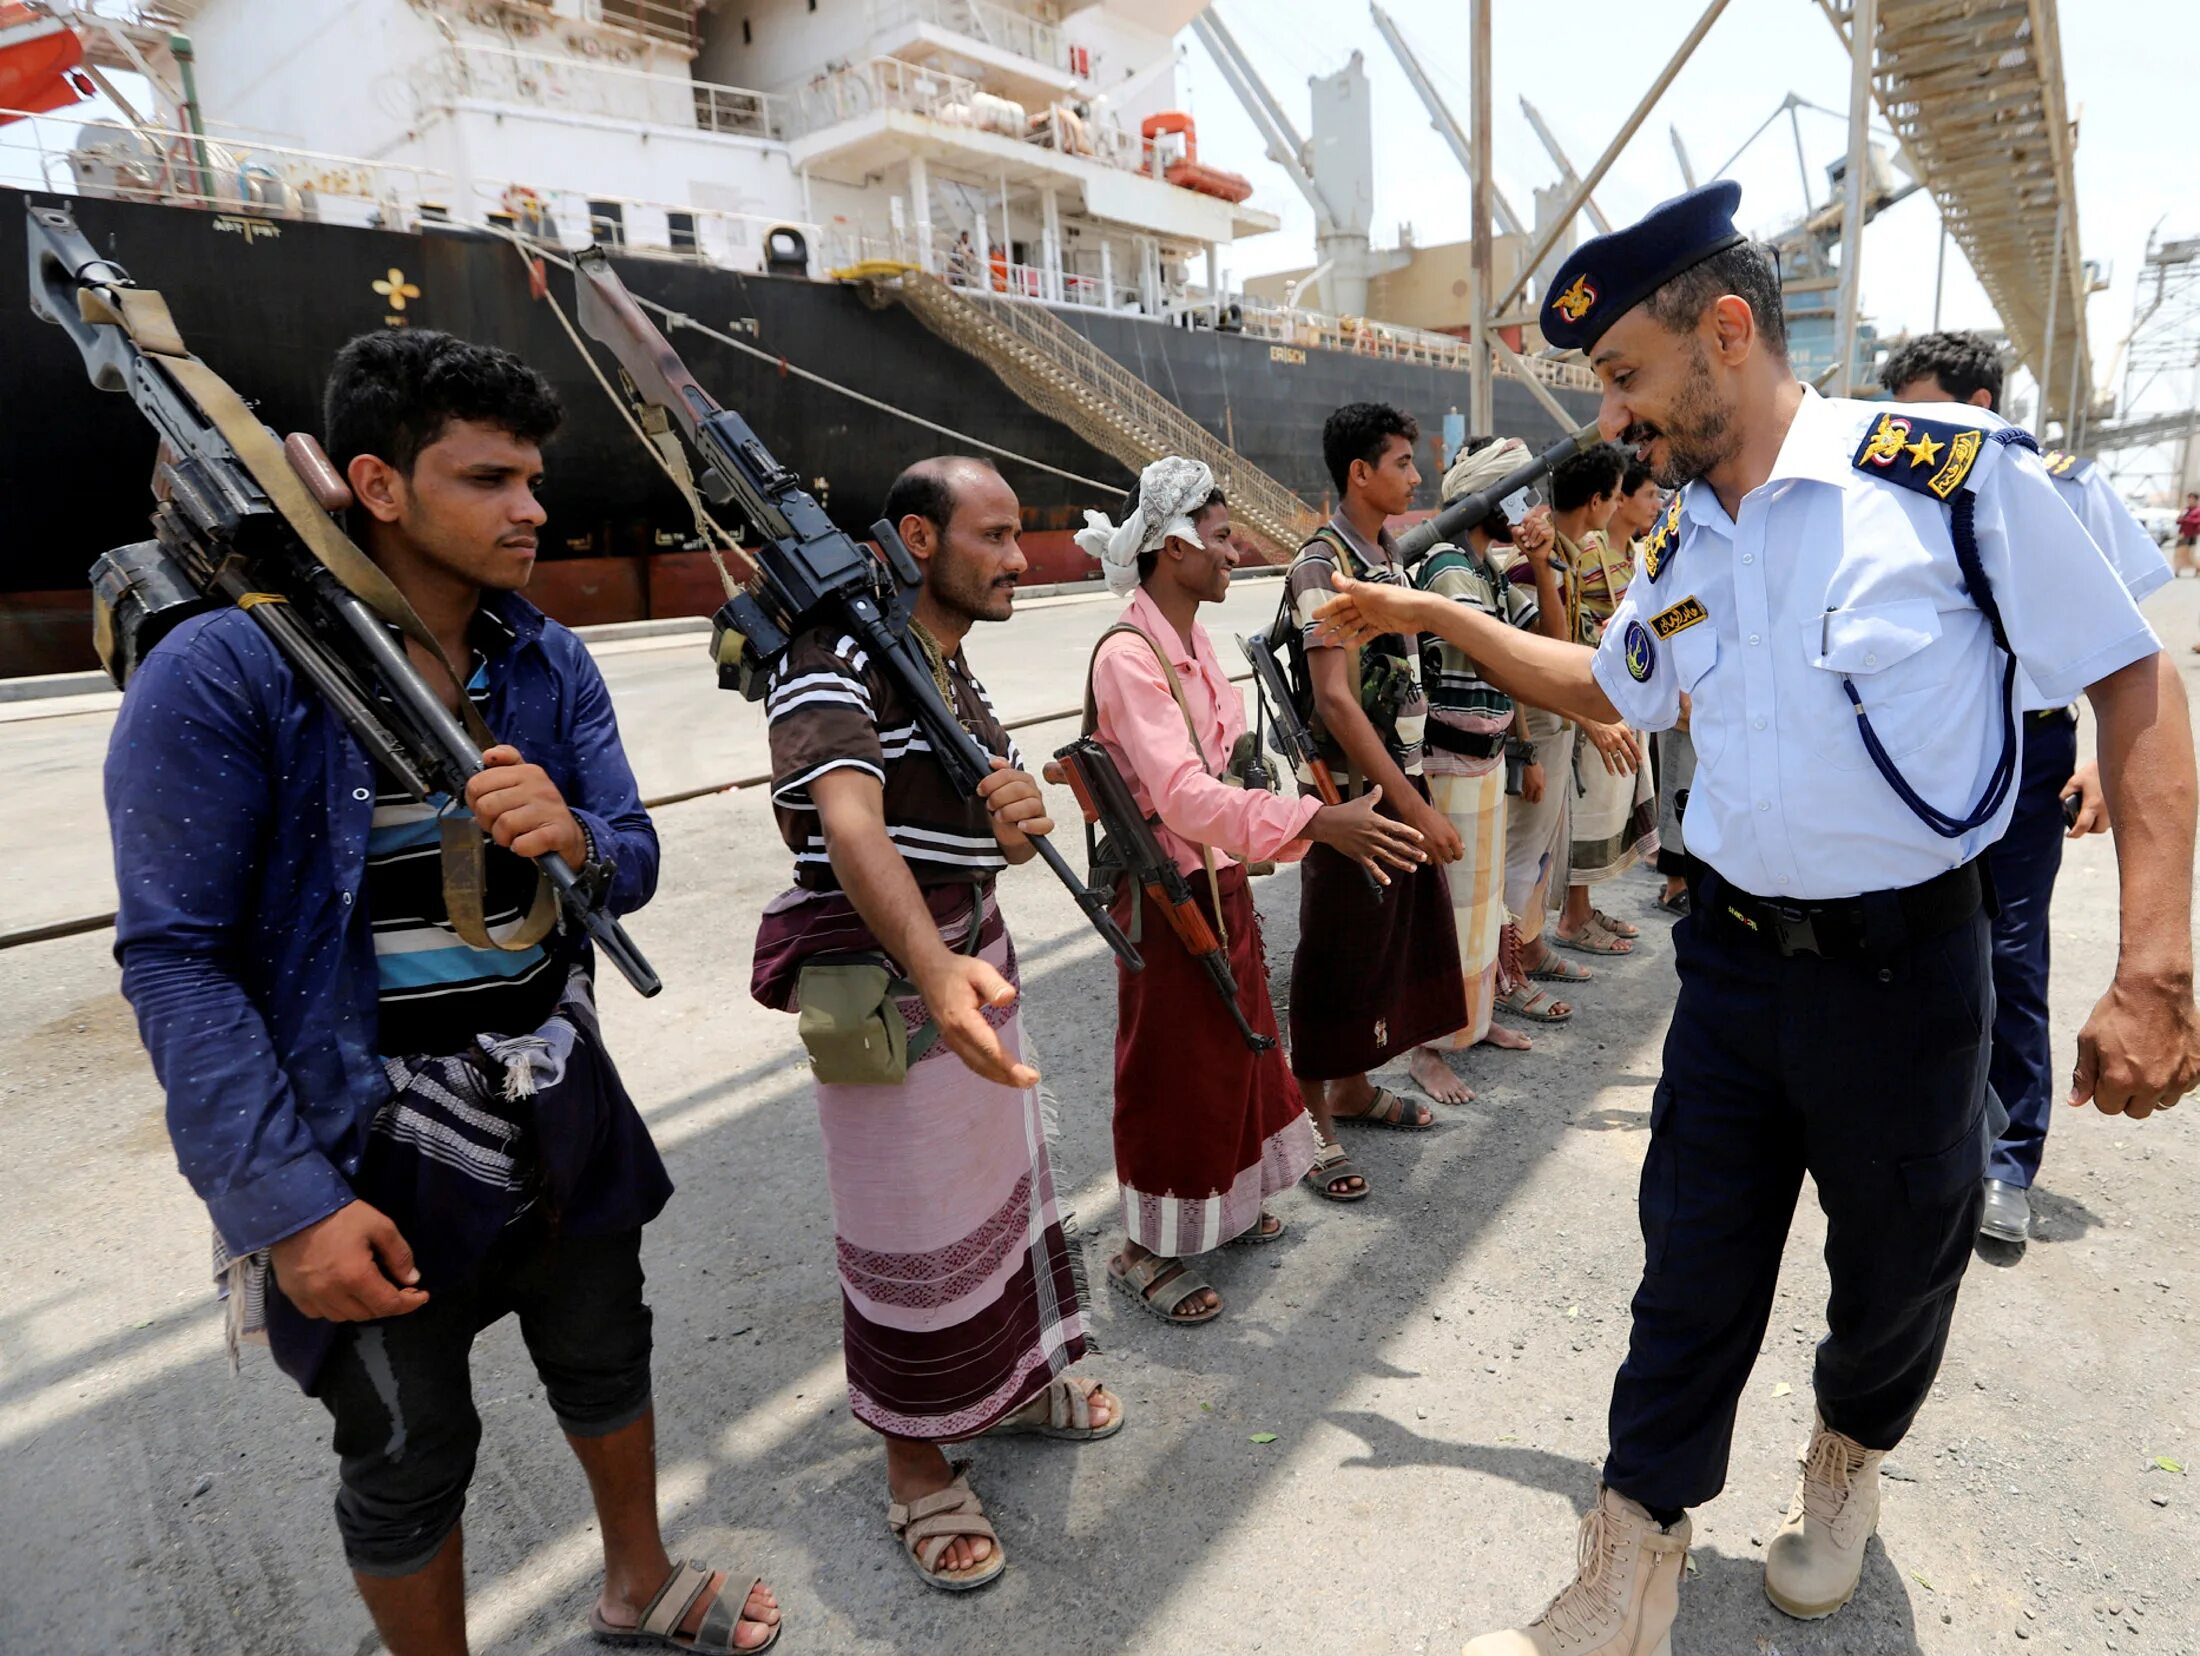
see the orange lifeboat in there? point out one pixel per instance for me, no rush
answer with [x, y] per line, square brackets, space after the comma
[1187, 171]
[39, 62]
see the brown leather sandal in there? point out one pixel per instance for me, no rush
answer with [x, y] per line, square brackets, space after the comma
[662, 1616]
[926, 1525]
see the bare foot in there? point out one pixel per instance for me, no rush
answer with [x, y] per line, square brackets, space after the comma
[1509, 1040]
[1433, 1076]
[759, 1615]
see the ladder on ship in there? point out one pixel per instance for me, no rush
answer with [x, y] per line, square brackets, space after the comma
[1064, 376]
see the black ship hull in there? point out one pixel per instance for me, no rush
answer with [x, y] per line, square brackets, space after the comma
[267, 302]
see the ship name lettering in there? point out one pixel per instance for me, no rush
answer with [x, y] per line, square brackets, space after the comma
[1287, 353]
[251, 229]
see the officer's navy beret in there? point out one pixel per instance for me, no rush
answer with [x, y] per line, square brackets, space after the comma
[1605, 278]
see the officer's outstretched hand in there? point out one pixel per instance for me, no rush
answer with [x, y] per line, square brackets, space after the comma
[2140, 1050]
[1366, 610]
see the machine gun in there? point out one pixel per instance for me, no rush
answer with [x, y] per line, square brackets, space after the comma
[1128, 846]
[1287, 731]
[1468, 510]
[246, 520]
[808, 571]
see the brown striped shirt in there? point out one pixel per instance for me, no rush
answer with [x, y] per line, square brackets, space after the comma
[832, 707]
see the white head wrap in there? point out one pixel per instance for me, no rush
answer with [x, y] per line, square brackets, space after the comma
[1483, 467]
[1169, 492]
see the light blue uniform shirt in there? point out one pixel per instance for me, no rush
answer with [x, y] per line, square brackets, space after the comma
[1831, 572]
[2120, 536]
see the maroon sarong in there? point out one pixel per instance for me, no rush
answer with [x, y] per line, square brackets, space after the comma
[1371, 978]
[1205, 1128]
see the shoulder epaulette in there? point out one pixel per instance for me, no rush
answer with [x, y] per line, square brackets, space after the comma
[1931, 456]
[2066, 468]
[1664, 541]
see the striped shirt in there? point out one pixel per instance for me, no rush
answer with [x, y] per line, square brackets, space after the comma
[1460, 698]
[1388, 669]
[831, 707]
[437, 993]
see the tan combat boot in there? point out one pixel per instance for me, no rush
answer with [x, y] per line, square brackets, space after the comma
[1622, 1601]
[1812, 1566]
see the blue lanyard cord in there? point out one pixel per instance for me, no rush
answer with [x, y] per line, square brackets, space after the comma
[2004, 772]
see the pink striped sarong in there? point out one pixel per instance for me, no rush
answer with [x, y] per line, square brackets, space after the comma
[959, 1296]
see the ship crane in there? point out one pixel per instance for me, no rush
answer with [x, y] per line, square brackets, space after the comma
[1440, 116]
[1335, 173]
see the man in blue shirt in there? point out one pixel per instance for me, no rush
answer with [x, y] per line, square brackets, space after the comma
[1844, 592]
[1966, 368]
[332, 1051]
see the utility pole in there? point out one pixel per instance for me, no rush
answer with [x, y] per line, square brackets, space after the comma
[1863, 38]
[1483, 416]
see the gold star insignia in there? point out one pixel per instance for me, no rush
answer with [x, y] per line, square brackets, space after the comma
[1924, 452]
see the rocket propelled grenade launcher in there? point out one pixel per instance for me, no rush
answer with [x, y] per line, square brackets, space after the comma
[1127, 846]
[807, 571]
[247, 520]
[1467, 511]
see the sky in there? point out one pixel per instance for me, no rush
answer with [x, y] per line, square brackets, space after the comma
[1584, 63]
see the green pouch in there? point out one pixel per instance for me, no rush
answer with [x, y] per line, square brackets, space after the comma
[849, 1023]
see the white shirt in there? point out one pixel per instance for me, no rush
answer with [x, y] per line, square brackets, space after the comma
[2120, 536]
[1831, 572]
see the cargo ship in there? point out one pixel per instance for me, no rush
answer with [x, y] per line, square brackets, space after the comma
[894, 228]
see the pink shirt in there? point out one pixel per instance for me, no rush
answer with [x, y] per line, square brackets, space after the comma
[1143, 731]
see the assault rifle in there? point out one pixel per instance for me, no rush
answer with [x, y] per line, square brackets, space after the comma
[1468, 510]
[1129, 847]
[808, 571]
[1287, 731]
[244, 519]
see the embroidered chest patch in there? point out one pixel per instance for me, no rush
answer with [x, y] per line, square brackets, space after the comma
[1680, 617]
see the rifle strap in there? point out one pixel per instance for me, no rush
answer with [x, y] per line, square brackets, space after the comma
[1176, 690]
[143, 315]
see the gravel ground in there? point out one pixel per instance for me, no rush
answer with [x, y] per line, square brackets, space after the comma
[1434, 1363]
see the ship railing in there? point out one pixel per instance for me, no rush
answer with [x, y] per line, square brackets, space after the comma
[1390, 341]
[992, 274]
[76, 154]
[544, 81]
[997, 26]
[714, 237]
[960, 265]
[671, 21]
[880, 84]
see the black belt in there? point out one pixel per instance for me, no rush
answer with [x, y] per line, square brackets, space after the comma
[1845, 928]
[1474, 744]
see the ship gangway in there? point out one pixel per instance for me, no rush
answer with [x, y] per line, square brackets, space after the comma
[1061, 374]
[1974, 90]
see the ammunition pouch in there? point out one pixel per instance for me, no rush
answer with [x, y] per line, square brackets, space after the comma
[139, 594]
[851, 1023]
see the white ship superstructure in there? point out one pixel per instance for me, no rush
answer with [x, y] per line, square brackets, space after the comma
[1027, 147]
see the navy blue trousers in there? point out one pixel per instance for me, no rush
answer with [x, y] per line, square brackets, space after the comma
[2025, 862]
[1870, 1075]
